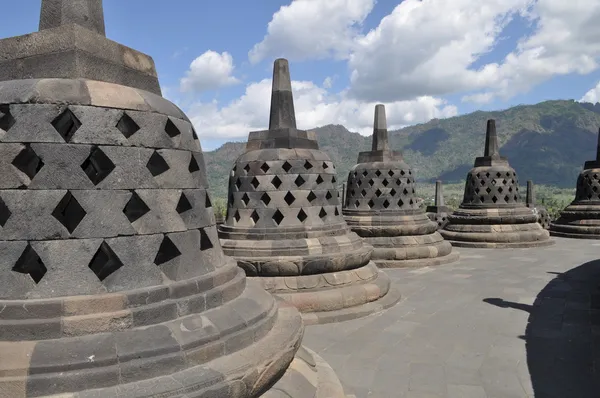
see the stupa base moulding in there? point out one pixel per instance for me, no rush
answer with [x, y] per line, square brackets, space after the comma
[495, 228]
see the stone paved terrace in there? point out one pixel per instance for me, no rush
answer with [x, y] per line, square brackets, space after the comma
[497, 324]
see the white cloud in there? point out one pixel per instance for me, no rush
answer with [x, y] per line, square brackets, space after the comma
[593, 95]
[209, 71]
[428, 47]
[314, 106]
[312, 29]
[479, 98]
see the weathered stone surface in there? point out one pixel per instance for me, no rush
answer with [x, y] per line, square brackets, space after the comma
[113, 281]
[540, 211]
[285, 225]
[581, 219]
[381, 206]
[438, 213]
[492, 214]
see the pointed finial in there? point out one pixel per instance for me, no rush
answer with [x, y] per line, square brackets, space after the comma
[491, 139]
[282, 101]
[380, 133]
[86, 13]
[598, 148]
[439, 195]
[530, 198]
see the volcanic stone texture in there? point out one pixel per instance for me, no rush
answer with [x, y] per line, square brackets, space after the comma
[112, 280]
[382, 208]
[581, 219]
[492, 214]
[284, 222]
[438, 213]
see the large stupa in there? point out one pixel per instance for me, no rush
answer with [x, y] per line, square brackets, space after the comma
[113, 282]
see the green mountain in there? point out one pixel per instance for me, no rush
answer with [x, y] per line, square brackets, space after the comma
[547, 142]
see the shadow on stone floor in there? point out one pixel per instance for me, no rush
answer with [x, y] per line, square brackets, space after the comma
[563, 334]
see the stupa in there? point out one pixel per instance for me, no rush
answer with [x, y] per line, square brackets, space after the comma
[284, 223]
[113, 282]
[438, 212]
[381, 207]
[543, 218]
[492, 214]
[581, 219]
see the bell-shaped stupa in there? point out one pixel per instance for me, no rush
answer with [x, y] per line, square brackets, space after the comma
[581, 219]
[113, 282]
[492, 214]
[438, 212]
[285, 226]
[381, 207]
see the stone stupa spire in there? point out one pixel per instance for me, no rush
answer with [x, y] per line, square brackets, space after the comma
[380, 133]
[282, 102]
[491, 140]
[86, 13]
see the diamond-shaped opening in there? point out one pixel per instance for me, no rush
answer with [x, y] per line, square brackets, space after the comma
[595, 188]
[508, 174]
[30, 263]
[386, 204]
[194, 135]
[322, 213]
[207, 202]
[183, 205]
[236, 216]
[504, 182]
[515, 198]
[352, 192]
[193, 166]
[400, 203]
[105, 262]
[28, 162]
[311, 196]
[255, 183]
[507, 198]
[510, 189]
[402, 172]
[166, 252]
[333, 179]
[326, 166]
[308, 165]
[357, 203]
[97, 166]
[359, 183]
[393, 192]
[371, 182]
[245, 199]
[265, 198]
[493, 182]
[378, 173]
[409, 172]
[328, 195]
[254, 216]
[363, 193]
[336, 212]
[299, 181]
[247, 168]
[66, 124]
[276, 182]
[135, 208]
[171, 129]
[494, 199]
[205, 242]
[238, 183]
[481, 199]
[364, 173]
[500, 189]
[385, 182]
[302, 215]
[411, 202]
[264, 167]
[289, 198]
[371, 203]
[69, 212]
[482, 182]
[5, 213]
[277, 217]
[378, 193]
[6, 118]
[286, 166]
[477, 190]
[127, 126]
[405, 191]
[157, 164]
[488, 190]
[391, 173]
[319, 179]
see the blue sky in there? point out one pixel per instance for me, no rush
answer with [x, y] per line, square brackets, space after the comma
[423, 59]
